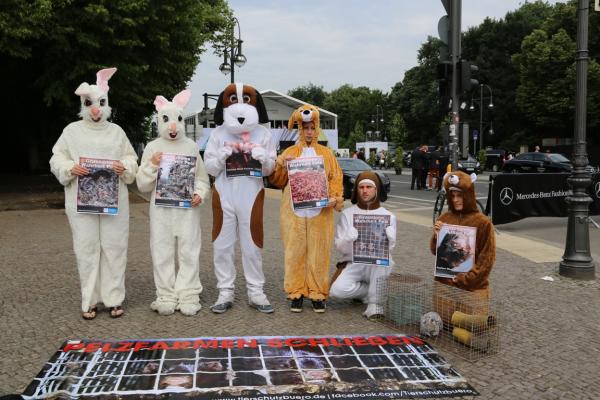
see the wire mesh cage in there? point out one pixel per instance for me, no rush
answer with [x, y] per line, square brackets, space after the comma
[461, 322]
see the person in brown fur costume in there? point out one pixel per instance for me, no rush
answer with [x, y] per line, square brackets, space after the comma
[460, 192]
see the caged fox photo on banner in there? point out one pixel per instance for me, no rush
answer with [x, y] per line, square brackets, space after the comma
[455, 250]
[308, 183]
[175, 181]
[98, 192]
[372, 245]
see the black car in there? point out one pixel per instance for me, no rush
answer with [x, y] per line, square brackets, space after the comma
[351, 167]
[538, 162]
[469, 165]
[494, 159]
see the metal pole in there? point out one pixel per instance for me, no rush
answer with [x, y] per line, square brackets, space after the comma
[232, 53]
[577, 261]
[480, 117]
[455, 57]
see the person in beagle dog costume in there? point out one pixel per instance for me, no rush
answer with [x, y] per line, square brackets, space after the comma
[307, 234]
[238, 201]
[99, 241]
[169, 225]
[356, 280]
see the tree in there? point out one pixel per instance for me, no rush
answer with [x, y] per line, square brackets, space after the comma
[48, 52]
[397, 130]
[310, 93]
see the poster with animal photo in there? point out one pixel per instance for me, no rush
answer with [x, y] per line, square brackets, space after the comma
[253, 368]
[455, 250]
[98, 192]
[308, 182]
[175, 181]
[240, 162]
[372, 245]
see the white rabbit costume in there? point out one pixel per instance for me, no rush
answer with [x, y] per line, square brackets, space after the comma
[99, 241]
[169, 225]
[238, 202]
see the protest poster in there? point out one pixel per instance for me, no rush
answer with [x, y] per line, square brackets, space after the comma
[455, 250]
[175, 181]
[98, 192]
[308, 182]
[372, 245]
[312, 367]
[240, 162]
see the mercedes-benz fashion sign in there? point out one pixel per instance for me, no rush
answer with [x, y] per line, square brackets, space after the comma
[517, 196]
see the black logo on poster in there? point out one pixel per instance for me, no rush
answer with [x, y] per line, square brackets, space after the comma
[506, 196]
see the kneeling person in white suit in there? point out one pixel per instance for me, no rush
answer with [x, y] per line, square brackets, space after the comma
[355, 280]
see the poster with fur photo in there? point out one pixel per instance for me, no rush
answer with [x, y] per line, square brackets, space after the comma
[175, 181]
[98, 192]
[240, 162]
[308, 183]
[455, 250]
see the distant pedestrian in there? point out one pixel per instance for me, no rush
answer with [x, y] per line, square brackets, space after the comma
[425, 166]
[416, 159]
[537, 149]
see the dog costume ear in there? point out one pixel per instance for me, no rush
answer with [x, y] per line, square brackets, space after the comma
[263, 117]
[381, 194]
[295, 115]
[218, 117]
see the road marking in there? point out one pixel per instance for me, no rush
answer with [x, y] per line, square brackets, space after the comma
[410, 198]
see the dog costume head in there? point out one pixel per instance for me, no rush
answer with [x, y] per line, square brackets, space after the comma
[170, 118]
[240, 108]
[464, 183]
[380, 196]
[305, 113]
[94, 98]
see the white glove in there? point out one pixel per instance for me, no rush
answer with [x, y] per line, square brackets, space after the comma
[224, 152]
[390, 233]
[259, 154]
[352, 234]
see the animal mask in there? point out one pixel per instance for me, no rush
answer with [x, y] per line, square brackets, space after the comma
[305, 113]
[465, 183]
[170, 118]
[94, 98]
[380, 197]
[240, 109]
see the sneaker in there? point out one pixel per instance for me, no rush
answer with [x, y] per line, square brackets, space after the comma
[318, 306]
[296, 304]
[221, 307]
[260, 303]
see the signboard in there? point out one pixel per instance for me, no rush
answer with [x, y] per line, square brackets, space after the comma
[250, 368]
[475, 134]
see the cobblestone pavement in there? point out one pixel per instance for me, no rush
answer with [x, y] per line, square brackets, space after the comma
[550, 337]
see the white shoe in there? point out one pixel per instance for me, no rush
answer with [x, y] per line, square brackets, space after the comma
[163, 307]
[224, 302]
[374, 312]
[189, 309]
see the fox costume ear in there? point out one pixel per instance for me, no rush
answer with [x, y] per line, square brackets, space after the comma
[218, 116]
[263, 117]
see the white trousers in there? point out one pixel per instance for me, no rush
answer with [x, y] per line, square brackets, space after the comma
[175, 233]
[359, 281]
[100, 244]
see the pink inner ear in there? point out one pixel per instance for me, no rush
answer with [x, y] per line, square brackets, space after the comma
[103, 76]
[182, 98]
[160, 102]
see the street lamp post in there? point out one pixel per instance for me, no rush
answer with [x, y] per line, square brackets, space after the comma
[577, 260]
[490, 106]
[232, 55]
[378, 117]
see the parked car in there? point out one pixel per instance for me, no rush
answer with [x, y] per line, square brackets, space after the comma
[351, 167]
[494, 159]
[538, 162]
[469, 165]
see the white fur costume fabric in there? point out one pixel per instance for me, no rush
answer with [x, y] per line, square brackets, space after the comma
[359, 281]
[99, 241]
[237, 198]
[174, 232]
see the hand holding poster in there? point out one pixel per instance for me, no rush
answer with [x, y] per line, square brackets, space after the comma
[372, 245]
[98, 192]
[175, 181]
[308, 183]
[240, 162]
[455, 250]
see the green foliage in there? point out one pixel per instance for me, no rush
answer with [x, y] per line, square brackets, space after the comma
[397, 129]
[53, 46]
[372, 160]
[481, 157]
[399, 158]
[310, 93]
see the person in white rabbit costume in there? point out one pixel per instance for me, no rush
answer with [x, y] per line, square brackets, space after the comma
[238, 201]
[175, 290]
[99, 241]
[356, 280]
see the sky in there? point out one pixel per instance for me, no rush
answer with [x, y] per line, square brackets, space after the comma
[332, 42]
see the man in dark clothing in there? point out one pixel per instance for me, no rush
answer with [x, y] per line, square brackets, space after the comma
[434, 164]
[443, 165]
[416, 159]
[425, 168]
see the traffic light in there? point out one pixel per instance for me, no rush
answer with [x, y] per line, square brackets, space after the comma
[466, 71]
[444, 75]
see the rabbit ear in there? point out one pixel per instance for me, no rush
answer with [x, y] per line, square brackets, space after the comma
[83, 89]
[160, 102]
[103, 76]
[182, 98]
